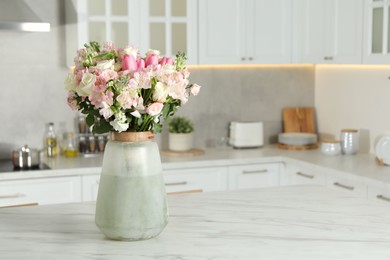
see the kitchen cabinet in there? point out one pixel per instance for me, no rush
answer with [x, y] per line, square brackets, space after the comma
[170, 26]
[101, 21]
[90, 187]
[302, 175]
[376, 32]
[379, 193]
[192, 179]
[327, 31]
[253, 176]
[241, 32]
[40, 191]
[347, 183]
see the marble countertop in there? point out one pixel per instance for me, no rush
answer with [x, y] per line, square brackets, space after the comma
[294, 222]
[362, 165]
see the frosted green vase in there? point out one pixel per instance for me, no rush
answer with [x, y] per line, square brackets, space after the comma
[131, 203]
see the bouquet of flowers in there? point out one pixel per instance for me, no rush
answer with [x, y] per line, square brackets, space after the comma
[120, 90]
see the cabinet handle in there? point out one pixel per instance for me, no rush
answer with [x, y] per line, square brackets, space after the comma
[256, 171]
[243, 58]
[250, 58]
[343, 186]
[305, 175]
[176, 183]
[328, 58]
[12, 196]
[381, 197]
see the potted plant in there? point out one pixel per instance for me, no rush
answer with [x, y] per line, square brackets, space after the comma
[180, 134]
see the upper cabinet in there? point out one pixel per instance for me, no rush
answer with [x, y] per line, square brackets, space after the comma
[170, 26]
[167, 25]
[376, 32]
[241, 32]
[101, 21]
[328, 31]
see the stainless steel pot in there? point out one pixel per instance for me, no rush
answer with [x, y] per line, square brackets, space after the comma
[25, 158]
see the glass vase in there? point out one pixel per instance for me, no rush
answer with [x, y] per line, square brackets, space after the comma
[131, 203]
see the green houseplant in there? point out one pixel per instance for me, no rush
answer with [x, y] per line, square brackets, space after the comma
[180, 134]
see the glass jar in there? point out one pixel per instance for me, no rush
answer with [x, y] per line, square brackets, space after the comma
[131, 202]
[330, 147]
[50, 141]
[71, 146]
[349, 141]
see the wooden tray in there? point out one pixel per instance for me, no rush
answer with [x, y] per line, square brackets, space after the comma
[191, 152]
[297, 147]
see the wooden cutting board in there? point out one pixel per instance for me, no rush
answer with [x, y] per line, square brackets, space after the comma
[299, 120]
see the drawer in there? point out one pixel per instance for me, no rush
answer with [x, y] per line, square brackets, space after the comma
[379, 193]
[348, 184]
[253, 176]
[40, 191]
[205, 179]
[297, 175]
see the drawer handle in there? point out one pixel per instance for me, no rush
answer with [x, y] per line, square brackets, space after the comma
[255, 172]
[305, 175]
[12, 196]
[381, 197]
[176, 183]
[343, 186]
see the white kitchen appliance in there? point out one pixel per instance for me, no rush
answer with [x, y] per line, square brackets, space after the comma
[246, 134]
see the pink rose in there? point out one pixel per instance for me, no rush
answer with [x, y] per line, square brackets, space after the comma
[195, 88]
[72, 103]
[129, 63]
[154, 109]
[152, 59]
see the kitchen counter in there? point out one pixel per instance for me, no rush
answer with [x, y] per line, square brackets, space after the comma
[362, 165]
[294, 222]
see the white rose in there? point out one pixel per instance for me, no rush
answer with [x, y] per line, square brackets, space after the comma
[86, 84]
[150, 51]
[105, 65]
[70, 82]
[195, 89]
[119, 123]
[161, 92]
[131, 51]
[154, 109]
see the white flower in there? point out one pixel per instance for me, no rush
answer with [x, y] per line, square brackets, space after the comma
[106, 111]
[86, 84]
[105, 65]
[131, 51]
[70, 83]
[119, 123]
[161, 92]
[136, 114]
[195, 89]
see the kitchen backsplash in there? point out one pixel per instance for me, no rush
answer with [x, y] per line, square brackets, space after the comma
[32, 92]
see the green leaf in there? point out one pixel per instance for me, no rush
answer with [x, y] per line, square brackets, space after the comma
[90, 119]
[157, 127]
[102, 127]
[106, 56]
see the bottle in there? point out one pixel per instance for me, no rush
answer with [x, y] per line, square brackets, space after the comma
[70, 147]
[50, 141]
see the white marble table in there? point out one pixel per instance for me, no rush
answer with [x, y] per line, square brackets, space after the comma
[300, 222]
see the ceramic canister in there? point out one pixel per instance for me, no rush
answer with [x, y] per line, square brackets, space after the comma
[349, 141]
[330, 147]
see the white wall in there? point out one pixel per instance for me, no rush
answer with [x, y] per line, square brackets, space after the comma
[353, 97]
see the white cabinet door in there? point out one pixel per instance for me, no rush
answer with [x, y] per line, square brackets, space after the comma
[170, 26]
[241, 32]
[204, 179]
[376, 32]
[328, 31]
[298, 175]
[347, 183]
[253, 176]
[101, 20]
[268, 31]
[40, 191]
[221, 31]
[90, 187]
